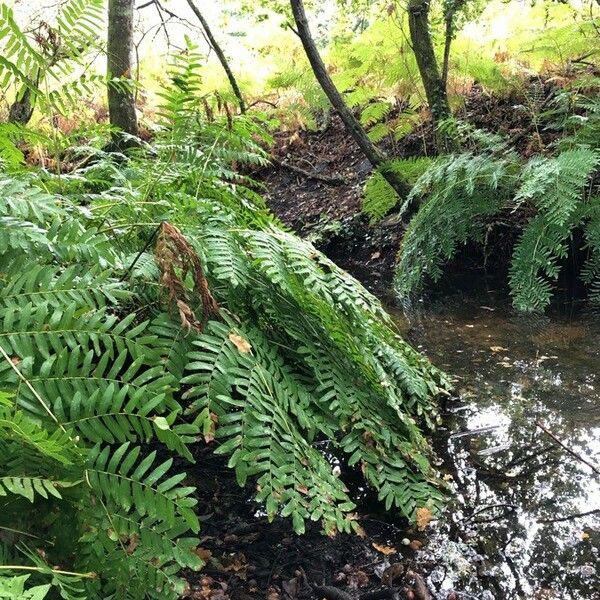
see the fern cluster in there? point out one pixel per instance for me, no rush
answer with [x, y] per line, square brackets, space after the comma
[462, 193]
[107, 382]
[52, 62]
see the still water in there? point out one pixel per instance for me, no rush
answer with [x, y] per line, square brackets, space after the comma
[525, 522]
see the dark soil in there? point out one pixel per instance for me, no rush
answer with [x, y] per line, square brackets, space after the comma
[330, 215]
[248, 558]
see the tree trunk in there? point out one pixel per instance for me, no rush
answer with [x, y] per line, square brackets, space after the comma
[121, 103]
[220, 55]
[356, 130]
[435, 90]
[449, 20]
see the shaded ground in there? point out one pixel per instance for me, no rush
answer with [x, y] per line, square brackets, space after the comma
[525, 521]
[330, 215]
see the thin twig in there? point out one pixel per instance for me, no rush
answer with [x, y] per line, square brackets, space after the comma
[565, 447]
[333, 180]
[89, 575]
[31, 388]
[139, 254]
[570, 517]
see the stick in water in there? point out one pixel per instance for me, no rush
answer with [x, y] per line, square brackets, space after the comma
[571, 452]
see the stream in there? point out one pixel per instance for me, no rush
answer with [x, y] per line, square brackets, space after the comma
[517, 527]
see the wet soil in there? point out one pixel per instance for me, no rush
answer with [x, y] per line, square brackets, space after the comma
[330, 215]
[524, 518]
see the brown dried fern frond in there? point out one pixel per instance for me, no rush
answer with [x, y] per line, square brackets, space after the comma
[176, 259]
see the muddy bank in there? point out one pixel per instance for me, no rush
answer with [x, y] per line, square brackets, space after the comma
[330, 214]
[524, 519]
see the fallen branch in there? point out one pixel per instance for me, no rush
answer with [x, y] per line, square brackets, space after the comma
[565, 447]
[570, 517]
[334, 180]
[382, 594]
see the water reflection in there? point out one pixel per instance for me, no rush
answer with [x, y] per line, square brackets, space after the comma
[513, 531]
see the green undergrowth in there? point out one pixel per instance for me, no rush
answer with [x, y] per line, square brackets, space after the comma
[150, 303]
[460, 196]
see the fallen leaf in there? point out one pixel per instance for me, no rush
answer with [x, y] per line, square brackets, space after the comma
[235, 563]
[498, 349]
[375, 255]
[386, 550]
[240, 343]
[273, 594]
[584, 535]
[203, 554]
[358, 579]
[360, 532]
[424, 515]
[394, 571]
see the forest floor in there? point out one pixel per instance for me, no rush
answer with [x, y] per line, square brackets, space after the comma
[330, 214]
[250, 559]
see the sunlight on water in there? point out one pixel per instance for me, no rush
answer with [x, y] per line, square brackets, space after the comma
[526, 519]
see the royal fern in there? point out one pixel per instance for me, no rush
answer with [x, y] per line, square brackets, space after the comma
[462, 194]
[235, 334]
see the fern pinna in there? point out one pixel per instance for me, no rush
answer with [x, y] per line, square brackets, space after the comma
[109, 373]
[462, 194]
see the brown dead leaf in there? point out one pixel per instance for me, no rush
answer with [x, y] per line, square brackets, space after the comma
[302, 489]
[15, 360]
[424, 515]
[394, 571]
[236, 563]
[240, 343]
[203, 554]
[385, 550]
[132, 543]
[176, 260]
[273, 594]
[415, 545]
[498, 349]
[358, 579]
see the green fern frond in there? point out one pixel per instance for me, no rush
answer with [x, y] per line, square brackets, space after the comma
[555, 186]
[461, 192]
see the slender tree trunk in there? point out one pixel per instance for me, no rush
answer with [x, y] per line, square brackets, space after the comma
[220, 55]
[356, 130]
[449, 20]
[435, 90]
[121, 103]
